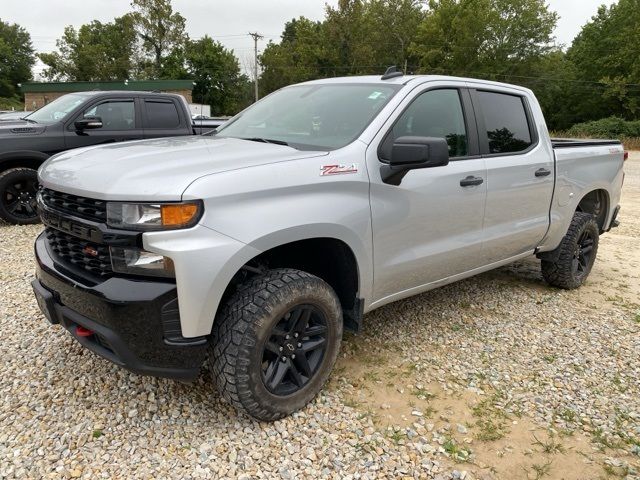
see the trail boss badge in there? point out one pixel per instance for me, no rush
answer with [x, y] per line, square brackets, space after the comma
[338, 169]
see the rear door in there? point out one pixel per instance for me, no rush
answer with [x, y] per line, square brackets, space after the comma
[520, 174]
[120, 122]
[430, 226]
[163, 118]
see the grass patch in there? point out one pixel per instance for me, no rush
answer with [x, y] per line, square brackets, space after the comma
[492, 421]
[97, 433]
[549, 446]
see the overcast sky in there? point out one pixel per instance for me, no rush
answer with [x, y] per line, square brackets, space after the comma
[226, 20]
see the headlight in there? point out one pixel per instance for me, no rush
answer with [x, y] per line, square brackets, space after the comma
[157, 216]
[134, 261]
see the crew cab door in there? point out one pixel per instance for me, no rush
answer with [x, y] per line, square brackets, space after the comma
[162, 117]
[120, 122]
[430, 226]
[520, 174]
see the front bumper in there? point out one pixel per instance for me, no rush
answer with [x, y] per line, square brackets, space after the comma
[135, 322]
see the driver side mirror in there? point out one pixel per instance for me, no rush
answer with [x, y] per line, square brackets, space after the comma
[411, 153]
[88, 123]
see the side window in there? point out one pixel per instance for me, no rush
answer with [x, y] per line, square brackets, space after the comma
[115, 114]
[505, 121]
[436, 113]
[161, 114]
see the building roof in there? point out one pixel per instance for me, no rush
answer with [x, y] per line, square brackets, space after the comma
[142, 85]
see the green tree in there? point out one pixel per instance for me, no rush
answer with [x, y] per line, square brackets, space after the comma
[606, 56]
[162, 35]
[216, 74]
[484, 38]
[96, 51]
[356, 37]
[16, 57]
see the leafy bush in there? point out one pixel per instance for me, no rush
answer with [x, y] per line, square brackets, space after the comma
[11, 103]
[611, 127]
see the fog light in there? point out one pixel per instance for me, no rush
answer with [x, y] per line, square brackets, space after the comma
[134, 261]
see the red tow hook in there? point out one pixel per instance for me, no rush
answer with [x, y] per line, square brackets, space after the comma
[83, 332]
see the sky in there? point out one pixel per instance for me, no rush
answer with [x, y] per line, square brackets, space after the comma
[227, 21]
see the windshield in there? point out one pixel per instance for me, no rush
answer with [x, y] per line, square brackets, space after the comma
[57, 110]
[323, 117]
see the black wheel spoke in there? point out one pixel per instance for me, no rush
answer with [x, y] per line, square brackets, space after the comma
[272, 347]
[302, 364]
[11, 190]
[297, 378]
[315, 330]
[12, 207]
[587, 249]
[301, 320]
[280, 371]
[311, 345]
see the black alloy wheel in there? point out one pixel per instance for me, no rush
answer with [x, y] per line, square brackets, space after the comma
[581, 263]
[275, 341]
[569, 265]
[294, 350]
[18, 190]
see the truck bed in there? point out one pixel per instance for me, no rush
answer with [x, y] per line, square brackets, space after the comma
[580, 142]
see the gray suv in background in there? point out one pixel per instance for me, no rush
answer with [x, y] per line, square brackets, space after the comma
[256, 246]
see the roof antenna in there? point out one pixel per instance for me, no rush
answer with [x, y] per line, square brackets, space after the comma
[392, 72]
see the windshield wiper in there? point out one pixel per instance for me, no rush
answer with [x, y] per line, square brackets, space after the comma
[27, 119]
[266, 140]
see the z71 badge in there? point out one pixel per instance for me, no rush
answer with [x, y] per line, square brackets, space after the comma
[338, 169]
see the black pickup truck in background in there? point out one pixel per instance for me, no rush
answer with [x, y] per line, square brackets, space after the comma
[80, 120]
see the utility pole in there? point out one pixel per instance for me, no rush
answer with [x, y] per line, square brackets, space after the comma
[256, 36]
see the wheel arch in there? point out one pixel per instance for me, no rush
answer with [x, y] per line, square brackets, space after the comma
[597, 203]
[23, 158]
[339, 259]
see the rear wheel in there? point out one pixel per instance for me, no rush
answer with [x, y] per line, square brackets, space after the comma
[575, 255]
[275, 343]
[18, 188]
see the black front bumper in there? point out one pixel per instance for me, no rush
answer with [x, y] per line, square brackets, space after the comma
[135, 322]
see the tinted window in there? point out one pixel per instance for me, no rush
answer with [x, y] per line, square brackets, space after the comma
[162, 115]
[437, 113]
[506, 122]
[323, 116]
[115, 114]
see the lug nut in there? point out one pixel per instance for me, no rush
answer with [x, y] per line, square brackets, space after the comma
[295, 335]
[284, 359]
[293, 356]
[281, 349]
[299, 345]
[287, 337]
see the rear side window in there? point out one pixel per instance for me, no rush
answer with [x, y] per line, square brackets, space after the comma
[162, 114]
[505, 121]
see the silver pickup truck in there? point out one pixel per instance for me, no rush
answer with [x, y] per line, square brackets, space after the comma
[256, 246]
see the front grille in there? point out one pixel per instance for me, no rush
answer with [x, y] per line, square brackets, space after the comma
[82, 207]
[92, 257]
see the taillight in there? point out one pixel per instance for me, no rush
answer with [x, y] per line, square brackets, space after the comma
[625, 156]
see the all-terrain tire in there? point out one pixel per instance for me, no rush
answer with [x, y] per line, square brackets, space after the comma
[17, 196]
[246, 323]
[571, 265]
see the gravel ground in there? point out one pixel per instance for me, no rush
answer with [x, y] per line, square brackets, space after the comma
[498, 376]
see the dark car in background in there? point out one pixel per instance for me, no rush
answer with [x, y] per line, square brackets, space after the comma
[81, 120]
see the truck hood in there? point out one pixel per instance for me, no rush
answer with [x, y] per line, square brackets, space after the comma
[157, 169]
[19, 127]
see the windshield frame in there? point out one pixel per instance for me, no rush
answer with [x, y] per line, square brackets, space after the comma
[395, 88]
[83, 96]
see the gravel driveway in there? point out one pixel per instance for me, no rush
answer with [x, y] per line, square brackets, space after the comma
[498, 376]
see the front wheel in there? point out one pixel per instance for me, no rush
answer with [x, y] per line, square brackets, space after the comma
[18, 188]
[275, 343]
[576, 254]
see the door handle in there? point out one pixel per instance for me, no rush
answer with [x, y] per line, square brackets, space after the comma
[542, 172]
[471, 181]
